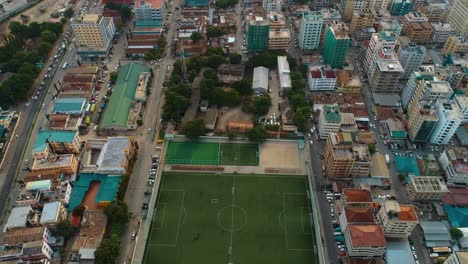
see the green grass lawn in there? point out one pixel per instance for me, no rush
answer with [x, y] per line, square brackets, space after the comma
[192, 153]
[231, 218]
[239, 154]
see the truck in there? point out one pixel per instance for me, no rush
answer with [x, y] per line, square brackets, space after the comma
[387, 158]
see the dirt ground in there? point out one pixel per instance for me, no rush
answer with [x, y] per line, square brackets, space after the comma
[233, 114]
[49, 6]
[279, 155]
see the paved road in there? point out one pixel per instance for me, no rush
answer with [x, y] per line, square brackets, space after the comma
[25, 131]
[397, 186]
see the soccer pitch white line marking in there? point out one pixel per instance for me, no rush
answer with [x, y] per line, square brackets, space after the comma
[163, 215]
[284, 221]
[180, 216]
[302, 220]
[233, 191]
[285, 229]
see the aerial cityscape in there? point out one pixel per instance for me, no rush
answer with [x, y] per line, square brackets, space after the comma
[234, 131]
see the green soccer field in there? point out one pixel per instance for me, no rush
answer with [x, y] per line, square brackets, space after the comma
[192, 153]
[231, 218]
[239, 154]
[204, 153]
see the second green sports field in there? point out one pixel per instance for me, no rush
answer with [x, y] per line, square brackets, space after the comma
[212, 153]
[231, 218]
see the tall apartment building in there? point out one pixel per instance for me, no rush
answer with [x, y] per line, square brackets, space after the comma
[258, 32]
[365, 240]
[362, 19]
[411, 58]
[348, 7]
[435, 11]
[426, 188]
[279, 39]
[450, 118]
[455, 44]
[277, 21]
[321, 79]
[385, 72]
[149, 10]
[458, 17]
[400, 7]
[337, 42]
[93, 34]
[410, 90]
[310, 30]
[454, 162]
[398, 221]
[422, 121]
[441, 31]
[344, 159]
[383, 39]
[329, 120]
[417, 27]
[272, 5]
[392, 26]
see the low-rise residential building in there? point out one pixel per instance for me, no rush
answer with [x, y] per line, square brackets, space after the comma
[347, 82]
[260, 80]
[360, 198]
[26, 234]
[37, 193]
[379, 168]
[52, 213]
[329, 120]
[455, 44]
[455, 164]
[113, 155]
[426, 188]
[56, 142]
[417, 28]
[321, 78]
[66, 163]
[398, 221]
[365, 240]
[279, 39]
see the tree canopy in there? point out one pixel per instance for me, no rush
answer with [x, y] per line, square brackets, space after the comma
[68, 12]
[235, 58]
[226, 3]
[117, 211]
[257, 133]
[193, 129]
[456, 233]
[196, 36]
[64, 229]
[214, 32]
[107, 251]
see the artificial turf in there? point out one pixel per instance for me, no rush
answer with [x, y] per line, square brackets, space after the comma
[239, 154]
[231, 218]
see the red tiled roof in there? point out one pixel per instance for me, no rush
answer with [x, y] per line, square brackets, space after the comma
[359, 215]
[316, 74]
[367, 235]
[407, 213]
[23, 235]
[357, 195]
[154, 3]
[330, 74]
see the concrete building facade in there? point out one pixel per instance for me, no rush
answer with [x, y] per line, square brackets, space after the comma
[149, 10]
[417, 28]
[450, 118]
[411, 58]
[337, 42]
[310, 30]
[426, 188]
[93, 35]
[321, 79]
[258, 33]
[458, 17]
[329, 120]
[398, 221]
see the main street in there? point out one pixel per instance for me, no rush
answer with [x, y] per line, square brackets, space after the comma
[31, 112]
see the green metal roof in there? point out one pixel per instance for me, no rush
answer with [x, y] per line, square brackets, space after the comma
[38, 185]
[52, 136]
[398, 134]
[332, 113]
[69, 105]
[123, 95]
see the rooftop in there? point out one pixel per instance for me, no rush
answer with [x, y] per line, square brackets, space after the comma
[151, 3]
[332, 113]
[123, 94]
[462, 256]
[45, 136]
[379, 166]
[50, 212]
[106, 193]
[114, 153]
[357, 196]
[458, 216]
[429, 184]
[458, 196]
[69, 105]
[55, 161]
[22, 235]
[359, 215]
[260, 79]
[399, 252]
[90, 18]
[339, 30]
[18, 217]
[367, 235]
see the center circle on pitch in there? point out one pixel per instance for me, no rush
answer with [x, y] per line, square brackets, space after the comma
[232, 218]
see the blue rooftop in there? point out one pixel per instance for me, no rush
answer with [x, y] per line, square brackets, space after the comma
[52, 136]
[407, 165]
[458, 216]
[69, 105]
[107, 189]
[1, 130]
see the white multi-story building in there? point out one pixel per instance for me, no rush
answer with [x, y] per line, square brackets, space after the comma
[366, 240]
[149, 10]
[458, 17]
[426, 188]
[385, 72]
[311, 30]
[441, 32]
[321, 78]
[450, 118]
[412, 85]
[454, 162]
[397, 220]
[329, 120]
[462, 101]
[383, 39]
[411, 58]
[272, 5]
